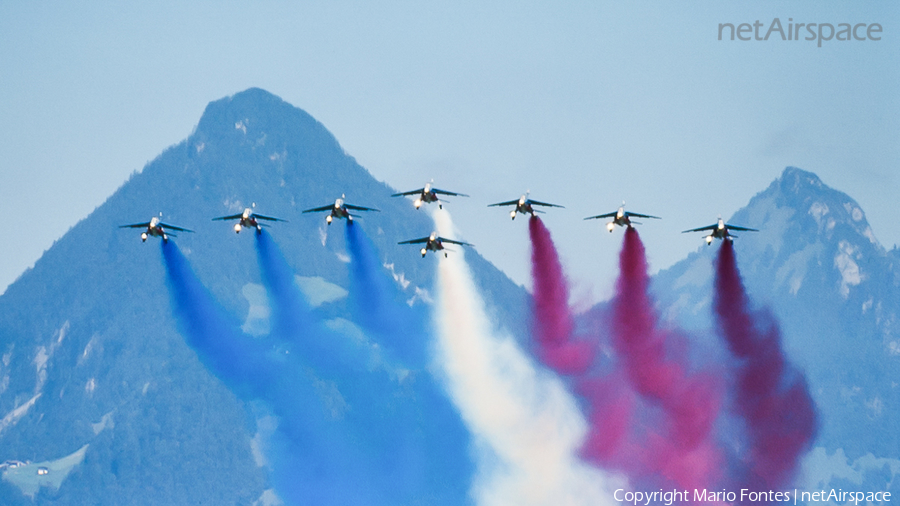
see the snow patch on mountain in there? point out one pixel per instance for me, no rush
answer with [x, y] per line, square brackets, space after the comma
[4, 370]
[794, 268]
[106, 422]
[819, 470]
[15, 415]
[44, 354]
[318, 291]
[257, 321]
[399, 277]
[268, 498]
[421, 294]
[265, 427]
[88, 349]
[845, 263]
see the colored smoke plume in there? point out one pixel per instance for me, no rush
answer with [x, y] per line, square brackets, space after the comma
[407, 440]
[770, 397]
[242, 363]
[554, 325]
[377, 304]
[676, 445]
[294, 321]
[528, 429]
[403, 334]
[681, 447]
[259, 372]
[354, 435]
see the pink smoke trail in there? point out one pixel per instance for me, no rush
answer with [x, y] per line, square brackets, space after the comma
[553, 322]
[682, 448]
[610, 401]
[771, 397]
[679, 445]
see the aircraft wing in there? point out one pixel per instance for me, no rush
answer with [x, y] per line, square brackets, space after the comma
[411, 192]
[535, 202]
[360, 208]
[629, 214]
[173, 227]
[415, 241]
[329, 207]
[510, 203]
[136, 225]
[232, 217]
[445, 192]
[607, 215]
[451, 241]
[701, 229]
[264, 217]
[744, 229]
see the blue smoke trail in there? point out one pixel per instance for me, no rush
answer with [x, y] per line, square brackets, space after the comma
[378, 305]
[315, 458]
[402, 435]
[241, 363]
[293, 319]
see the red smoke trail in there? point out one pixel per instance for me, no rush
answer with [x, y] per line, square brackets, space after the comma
[771, 398]
[553, 322]
[682, 447]
[678, 445]
[610, 401]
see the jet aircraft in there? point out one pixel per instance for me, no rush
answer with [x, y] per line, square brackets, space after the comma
[621, 218]
[339, 210]
[434, 243]
[248, 219]
[156, 228]
[720, 231]
[428, 194]
[523, 205]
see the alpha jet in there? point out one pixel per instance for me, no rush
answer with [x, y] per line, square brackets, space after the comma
[434, 243]
[621, 218]
[248, 219]
[339, 210]
[428, 194]
[523, 205]
[156, 228]
[720, 231]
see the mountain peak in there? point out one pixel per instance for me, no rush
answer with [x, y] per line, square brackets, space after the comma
[794, 179]
[256, 117]
[800, 201]
[833, 289]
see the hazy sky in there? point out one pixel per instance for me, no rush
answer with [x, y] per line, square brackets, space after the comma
[585, 104]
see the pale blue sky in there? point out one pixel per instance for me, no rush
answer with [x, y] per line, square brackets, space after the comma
[586, 104]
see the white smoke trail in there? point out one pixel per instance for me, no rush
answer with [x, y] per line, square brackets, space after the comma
[528, 429]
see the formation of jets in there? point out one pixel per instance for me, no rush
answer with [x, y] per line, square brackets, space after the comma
[434, 243]
[425, 195]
